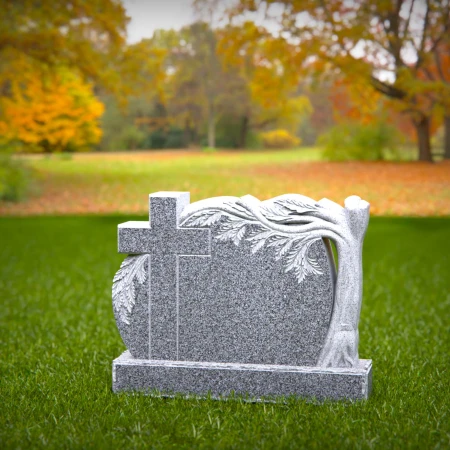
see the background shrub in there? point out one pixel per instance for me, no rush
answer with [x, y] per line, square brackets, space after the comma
[175, 138]
[131, 138]
[254, 141]
[279, 139]
[356, 141]
[16, 179]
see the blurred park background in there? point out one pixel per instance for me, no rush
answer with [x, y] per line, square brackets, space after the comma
[105, 101]
[101, 100]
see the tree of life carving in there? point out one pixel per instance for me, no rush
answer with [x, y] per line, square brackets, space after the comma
[291, 224]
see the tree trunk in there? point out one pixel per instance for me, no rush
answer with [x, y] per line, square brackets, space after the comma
[186, 134]
[194, 136]
[244, 131]
[447, 137]
[423, 138]
[45, 145]
[341, 344]
[211, 126]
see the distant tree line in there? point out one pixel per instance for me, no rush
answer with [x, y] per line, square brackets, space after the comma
[211, 90]
[69, 81]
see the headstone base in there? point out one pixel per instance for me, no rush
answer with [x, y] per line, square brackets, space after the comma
[253, 381]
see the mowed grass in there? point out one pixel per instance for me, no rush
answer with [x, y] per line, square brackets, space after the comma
[58, 339]
[120, 182]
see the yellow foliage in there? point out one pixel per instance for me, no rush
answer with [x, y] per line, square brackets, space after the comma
[267, 65]
[280, 139]
[285, 114]
[50, 111]
[86, 35]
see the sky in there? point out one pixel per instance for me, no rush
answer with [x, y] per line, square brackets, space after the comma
[149, 15]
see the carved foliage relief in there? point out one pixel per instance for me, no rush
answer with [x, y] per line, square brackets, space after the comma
[133, 270]
[239, 222]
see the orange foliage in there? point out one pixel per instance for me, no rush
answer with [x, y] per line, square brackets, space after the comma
[364, 39]
[434, 79]
[354, 101]
[347, 105]
[50, 111]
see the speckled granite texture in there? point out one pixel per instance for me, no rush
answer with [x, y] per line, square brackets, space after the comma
[209, 300]
[237, 295]
[254, 381]
[241, 307]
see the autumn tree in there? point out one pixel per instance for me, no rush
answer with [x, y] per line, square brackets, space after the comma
[322, 117]
[50, 53]
[384, 43]
[80, 34]
[201, 82]
[183, 91]
[206, 11]
[436, 76]
[50, 111]
[167, 83]
[442, 62]
[196, 82]
[262, 88]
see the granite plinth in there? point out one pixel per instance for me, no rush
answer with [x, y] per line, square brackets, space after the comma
[254, 381]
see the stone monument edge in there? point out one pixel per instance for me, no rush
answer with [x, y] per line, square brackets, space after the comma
[220, 380]
[339, 373]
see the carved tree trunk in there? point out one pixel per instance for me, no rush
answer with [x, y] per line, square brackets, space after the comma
[341, 344]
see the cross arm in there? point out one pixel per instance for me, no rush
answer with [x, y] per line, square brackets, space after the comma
[134, 237]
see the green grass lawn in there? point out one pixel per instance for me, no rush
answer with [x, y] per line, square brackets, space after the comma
[58, 339]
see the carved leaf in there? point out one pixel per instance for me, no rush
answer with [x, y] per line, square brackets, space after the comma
[297, 260]
[124, 293]
[258, 246]
[261, 235]
[272, 209]
[241, 208]
[203, 218]
[232, 230]
[297, 206]
[286, 247]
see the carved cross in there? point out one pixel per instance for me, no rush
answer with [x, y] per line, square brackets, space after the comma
[165, 242]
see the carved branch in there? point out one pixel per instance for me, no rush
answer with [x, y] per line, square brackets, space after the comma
[286, 239]
[317, 225]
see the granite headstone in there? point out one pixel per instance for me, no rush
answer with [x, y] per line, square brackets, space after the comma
[233, 295]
